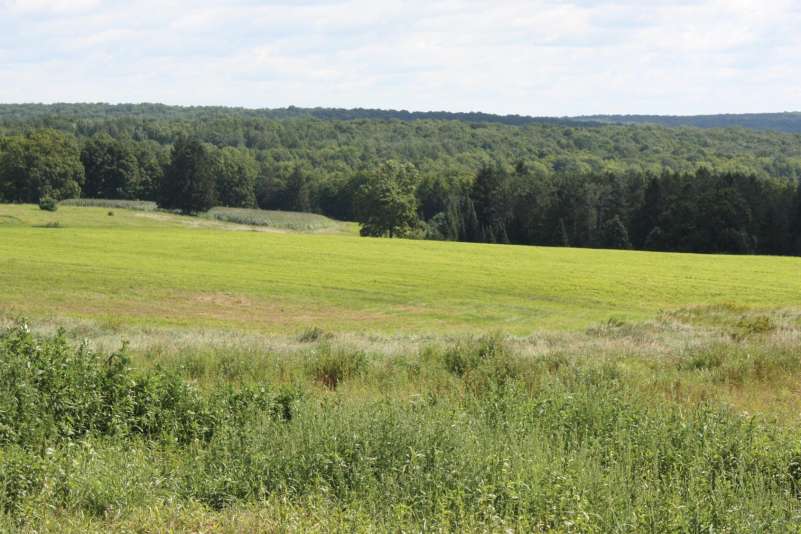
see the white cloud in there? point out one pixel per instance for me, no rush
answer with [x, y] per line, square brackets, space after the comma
[508, 56]
[49, 6]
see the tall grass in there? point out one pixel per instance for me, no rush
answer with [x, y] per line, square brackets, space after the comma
[140, 205]
[474, 437]
[287, 220]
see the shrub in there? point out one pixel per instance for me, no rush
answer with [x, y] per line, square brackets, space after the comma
[52, 392]
[48, 203]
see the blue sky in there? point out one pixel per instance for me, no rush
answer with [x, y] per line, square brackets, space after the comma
[536, 57]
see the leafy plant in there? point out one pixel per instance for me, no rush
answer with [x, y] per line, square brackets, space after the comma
[48, 203]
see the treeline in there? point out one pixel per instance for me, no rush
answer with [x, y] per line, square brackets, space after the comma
[26, 112]
[789, 122]
[613, 186]
[691, 212]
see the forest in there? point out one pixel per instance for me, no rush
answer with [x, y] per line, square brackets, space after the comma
[449, 177]
[781, 122]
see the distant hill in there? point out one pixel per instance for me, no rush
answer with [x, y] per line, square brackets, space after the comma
[27, 112]
[789, 122]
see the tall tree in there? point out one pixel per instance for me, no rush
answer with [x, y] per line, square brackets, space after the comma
[795, 228]
[42, 163]
[615, 234]
[491, 197]
[386, 203]
[112, 170]
[297, 191]
[189, 183]
[646, 218]
[235, 172]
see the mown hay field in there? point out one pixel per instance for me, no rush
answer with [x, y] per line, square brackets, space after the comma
[160, 269]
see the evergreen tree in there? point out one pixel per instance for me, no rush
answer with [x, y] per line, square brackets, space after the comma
[491, 197]
[564, 238]
[189, 183]
[795, 227]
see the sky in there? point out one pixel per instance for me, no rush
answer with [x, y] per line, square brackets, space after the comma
[534, 57]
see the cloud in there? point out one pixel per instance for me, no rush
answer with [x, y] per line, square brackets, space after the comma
[509, 56]
[48, 6]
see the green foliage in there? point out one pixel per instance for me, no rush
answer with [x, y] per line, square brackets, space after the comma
[112, 170]
[615, 234]
[41, 163]
[484, 363]
[562, 444]
[189, 184]
[552, 182]
[47, 203]
[386, 202]
[52, 393]
[492, 201]
[235, 171]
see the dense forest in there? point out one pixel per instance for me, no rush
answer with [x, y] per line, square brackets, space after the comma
[435, 176]
[789, 122]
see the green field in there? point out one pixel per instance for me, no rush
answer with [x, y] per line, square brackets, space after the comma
[273, 380]
[158, 269]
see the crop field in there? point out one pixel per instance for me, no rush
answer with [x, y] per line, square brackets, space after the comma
[161, 373]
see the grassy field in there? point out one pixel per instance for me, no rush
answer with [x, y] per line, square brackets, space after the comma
[156, 269]
[276, 381]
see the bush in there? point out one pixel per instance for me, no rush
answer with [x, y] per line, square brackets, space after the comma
[51, 392]
[48, 203]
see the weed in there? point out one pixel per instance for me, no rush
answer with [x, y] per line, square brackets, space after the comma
[330, 366]
[753, 326]
[314, 334]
